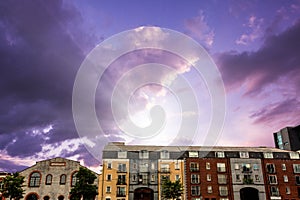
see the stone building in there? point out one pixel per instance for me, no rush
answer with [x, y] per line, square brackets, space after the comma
[51, 179]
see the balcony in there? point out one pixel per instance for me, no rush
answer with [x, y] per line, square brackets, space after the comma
[121, 194]
[165, 170]
[122, 171]
[248, 181]
[121, 182]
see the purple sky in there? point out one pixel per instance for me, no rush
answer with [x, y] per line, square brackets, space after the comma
[255, 44]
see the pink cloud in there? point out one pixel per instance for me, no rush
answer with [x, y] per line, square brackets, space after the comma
[255, 31]
[199, 28]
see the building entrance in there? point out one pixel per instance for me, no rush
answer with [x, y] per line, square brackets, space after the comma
[143, 194]
[249, 193]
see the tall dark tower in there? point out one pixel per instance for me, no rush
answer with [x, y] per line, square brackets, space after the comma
[288, 138]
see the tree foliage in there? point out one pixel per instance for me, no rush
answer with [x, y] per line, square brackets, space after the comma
[12, 186]
[84, 187]
[171, 190]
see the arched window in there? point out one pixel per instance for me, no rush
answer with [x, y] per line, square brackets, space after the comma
[63, 179]
[49, 179]
[32, 196]
[61, 197]
[74, 179]
[46, 197]
[34, 179]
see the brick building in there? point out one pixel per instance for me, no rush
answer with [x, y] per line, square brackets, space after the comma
[207, 173]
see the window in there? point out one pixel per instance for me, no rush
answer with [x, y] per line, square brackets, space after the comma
[268, 155]
[283, 167]
[74, 179]
[238, 178]
[195, 190]
[195, 178]
[271, 168]
[272, 179]
[34, 180]
[152, 166]
[122, 154]
[287, 190]
[236, 166]
[109, 165]
[144, 166]
[297, 180]
[177, 165]
[223, 190]
[208, 177]
[209, 189]
[108, 178]
[257, 178]
[294, 155]
[208, 166]
[221, 167]
[152, 177]
[143, 179]
[246, 167]
[48, 179]
[133, 177]
[193, 154]
[194, 167]
[108, 189]
[164, 154]
[121, 167]
[255, 167]
[296, 168]
[107, 198]
[222, 179]
[285, 178]
[144, 154]
[165, 167]
[244, 154]
[274, 191]
[63, 179]
[121, 179]
[121, 192]
[177, 177]
[247, 179]
[134, 165]
[163, 178]
[220, 154]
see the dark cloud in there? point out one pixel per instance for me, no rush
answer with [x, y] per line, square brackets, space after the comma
[278, 57]
[287, 111]
[42, 45]
[9, 166]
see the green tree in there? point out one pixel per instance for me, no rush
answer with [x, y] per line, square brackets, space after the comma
[171, 190]
[84, 187]
[12, 186]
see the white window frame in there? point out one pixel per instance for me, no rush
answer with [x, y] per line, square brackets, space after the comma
[122, 154]
[221, 167]
[220, 154]
[223, 190]
[285, 178]
[268, 155]
[208, 177]
[209, 189]
[244, 154]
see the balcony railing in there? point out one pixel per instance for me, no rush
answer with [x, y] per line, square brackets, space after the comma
[121, 182]
[165, 170]
[121, 194]
[248, 181]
